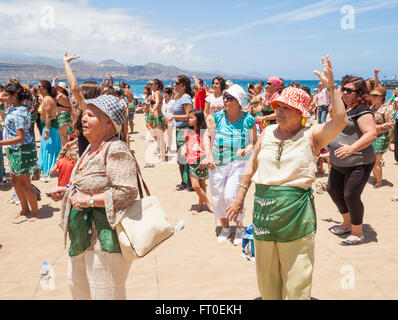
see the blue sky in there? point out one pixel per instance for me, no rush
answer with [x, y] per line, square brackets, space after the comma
[284, 38]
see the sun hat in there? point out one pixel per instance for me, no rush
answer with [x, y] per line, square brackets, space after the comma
[295, 98]
[379, 91]
[229, 83]
[238, 93]
[112, 107]
[275, 81]
[63, 85]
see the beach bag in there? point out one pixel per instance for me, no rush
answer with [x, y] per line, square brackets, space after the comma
[144, 226]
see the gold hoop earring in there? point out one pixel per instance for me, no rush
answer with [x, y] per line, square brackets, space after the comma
[304, 122]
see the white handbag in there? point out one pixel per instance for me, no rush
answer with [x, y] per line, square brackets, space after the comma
[144, 226]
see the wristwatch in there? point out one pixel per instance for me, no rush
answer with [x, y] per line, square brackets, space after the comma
[91, 202]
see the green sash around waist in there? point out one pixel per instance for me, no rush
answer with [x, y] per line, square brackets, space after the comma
[283, 214]
[79, 228]
[23, 160]
[54, 124]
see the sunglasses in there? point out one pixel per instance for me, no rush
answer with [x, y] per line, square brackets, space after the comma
[348, 90]
[177, 83]
[269, 83]
[39, 87]
[228, 97]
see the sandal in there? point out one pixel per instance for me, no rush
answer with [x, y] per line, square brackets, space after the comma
[337, 231]
[318, 188]
[349, 242]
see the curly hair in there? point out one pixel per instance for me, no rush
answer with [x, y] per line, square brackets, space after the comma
[363, 95]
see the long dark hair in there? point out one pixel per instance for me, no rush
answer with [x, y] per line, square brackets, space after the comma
[222, 81]
[159, 84]
[200, 120]
[52, 92]
[186, 82]
[363, 95]
[14, 87]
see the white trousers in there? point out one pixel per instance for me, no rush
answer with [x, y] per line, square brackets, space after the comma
[224, 185]
[98, 275]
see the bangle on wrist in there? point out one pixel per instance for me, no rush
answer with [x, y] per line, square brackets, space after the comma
[333, 87]
[244, 187]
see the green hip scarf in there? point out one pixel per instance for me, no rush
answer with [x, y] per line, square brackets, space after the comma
[149, 117]
[79, 228]
[197, 172]
[283, 214]
[63, 119]
[23, 160]
[160, 121]
[54, 123]
[381, 143]
[131, 108]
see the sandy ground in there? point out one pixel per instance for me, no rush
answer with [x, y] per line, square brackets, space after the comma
[192, 265]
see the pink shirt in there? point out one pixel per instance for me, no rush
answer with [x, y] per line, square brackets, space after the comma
[195, 146]
[323, 98]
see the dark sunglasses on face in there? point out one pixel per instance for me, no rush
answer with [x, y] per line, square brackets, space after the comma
[177, 83]
[348, 90]
[228, 97]
[269, 83]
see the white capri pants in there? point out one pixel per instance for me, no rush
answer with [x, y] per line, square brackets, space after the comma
[96, 275]
[224, 185]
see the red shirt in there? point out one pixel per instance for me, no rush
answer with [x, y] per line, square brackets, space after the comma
[200, 99]
[65, 167]
[195, 147]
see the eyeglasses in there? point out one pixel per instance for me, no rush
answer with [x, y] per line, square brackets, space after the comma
[348, 90]
[177, 83]
[269, 83]
[228, 97]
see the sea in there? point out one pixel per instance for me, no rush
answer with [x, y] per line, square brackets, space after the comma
[137, 87]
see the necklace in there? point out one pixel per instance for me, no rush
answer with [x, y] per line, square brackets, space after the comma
[92, 156]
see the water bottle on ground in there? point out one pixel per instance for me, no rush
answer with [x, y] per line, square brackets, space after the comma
[45, 271]
[179, 226]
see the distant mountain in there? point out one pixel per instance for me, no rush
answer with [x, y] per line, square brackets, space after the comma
[38, 68]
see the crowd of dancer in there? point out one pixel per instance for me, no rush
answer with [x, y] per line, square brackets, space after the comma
[277, 136]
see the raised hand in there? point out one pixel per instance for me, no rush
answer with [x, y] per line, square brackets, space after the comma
[326, 76]
[67, 59]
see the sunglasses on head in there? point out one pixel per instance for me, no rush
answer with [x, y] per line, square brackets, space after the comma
[348, 90]
[228, 97]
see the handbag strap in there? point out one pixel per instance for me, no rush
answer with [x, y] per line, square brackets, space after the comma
[140, 180]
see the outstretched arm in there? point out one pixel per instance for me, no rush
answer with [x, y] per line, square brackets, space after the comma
[323, 134]
[73, 84]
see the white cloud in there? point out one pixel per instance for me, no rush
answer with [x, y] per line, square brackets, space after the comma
[94, 34]
[241, 5]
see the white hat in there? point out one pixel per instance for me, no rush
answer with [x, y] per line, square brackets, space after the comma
[229, 83]
[237, 92]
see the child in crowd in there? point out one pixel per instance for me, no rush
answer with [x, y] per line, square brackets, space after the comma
[66, 162]
[194, 152]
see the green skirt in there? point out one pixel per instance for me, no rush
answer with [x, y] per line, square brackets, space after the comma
[283, 214]
[131, 108]
[381, 143]
[149, 117]
[23, 160]
[160, 121]
[197, 172]
[63, 119]
[79, 229]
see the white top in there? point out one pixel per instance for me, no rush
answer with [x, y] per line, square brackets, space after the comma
[216, 104]
[297, 164]
[167, 108]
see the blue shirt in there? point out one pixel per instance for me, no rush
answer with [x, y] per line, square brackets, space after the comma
[230, 138]
[178, 110]
[18, 118]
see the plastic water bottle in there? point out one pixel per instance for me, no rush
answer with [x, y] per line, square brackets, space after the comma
[45, 271]
[179, 226]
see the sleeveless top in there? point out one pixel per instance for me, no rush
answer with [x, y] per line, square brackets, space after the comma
[350, 134]
[297, 164]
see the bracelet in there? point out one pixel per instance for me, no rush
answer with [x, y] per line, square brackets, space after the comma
[244, 187]
[333, 87]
